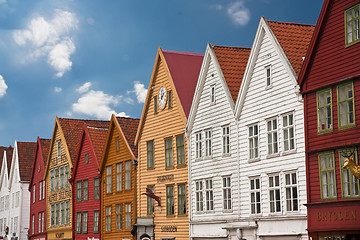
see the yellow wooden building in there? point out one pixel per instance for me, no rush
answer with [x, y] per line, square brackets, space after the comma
[63, 149]
[162, 175]
[118, 177]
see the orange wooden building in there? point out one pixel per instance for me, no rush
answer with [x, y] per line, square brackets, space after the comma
[118, 179]
[163, 168]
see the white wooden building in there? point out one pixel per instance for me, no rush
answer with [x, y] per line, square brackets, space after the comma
[212, 137]
[269, 114]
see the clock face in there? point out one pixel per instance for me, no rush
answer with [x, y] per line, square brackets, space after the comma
[162, 97]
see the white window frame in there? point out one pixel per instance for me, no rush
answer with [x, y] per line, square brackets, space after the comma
[226, 189]
[226, 131]
[198, 145]
[34, 193]
[254, 193]
[290, 188]
[212, 94]
[287, 127]
[127, 175]
[272, 146]
[273, 189]
[268, 77]
[253, 142]
[208, 142]
[209, 194]
[199, 197]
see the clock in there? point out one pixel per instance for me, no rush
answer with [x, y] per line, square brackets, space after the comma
[162, 97]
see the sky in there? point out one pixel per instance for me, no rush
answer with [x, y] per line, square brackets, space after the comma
[89, 59]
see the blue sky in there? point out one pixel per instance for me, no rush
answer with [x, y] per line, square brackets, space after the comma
[88, 59]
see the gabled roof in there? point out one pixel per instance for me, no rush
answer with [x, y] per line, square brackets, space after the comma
[294, 39]
[26, 153]
[129, 128]
[182, 69]
[72, 129]
[9, 151]
[232, 61]
[42, 147]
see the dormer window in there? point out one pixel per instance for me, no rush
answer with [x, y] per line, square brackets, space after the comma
[268, 76]
[212, 94]
[352, 25]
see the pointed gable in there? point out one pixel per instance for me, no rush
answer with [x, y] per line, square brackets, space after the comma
[26, 154]
[98, 139]
[184, 68]
[129, 127]
[294, 39]
[42, 148]
[232, 61]
[72, 129]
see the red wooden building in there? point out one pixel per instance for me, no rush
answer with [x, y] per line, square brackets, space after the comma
[86, 185]
[37, 189]
[330, 83]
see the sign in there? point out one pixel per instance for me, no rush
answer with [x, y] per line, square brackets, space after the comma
[168, 228]
[165, 178]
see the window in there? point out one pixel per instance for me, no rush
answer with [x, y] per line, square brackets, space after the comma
[39, 221]
[119, 217]
[208, 145]
[155, 105]
[268, 76]
[67, 212]
[352, 25]
[349, 183]
[85, 190]
[255, 196]
[52, 179]
[33, 224]
[78, 222]
[57, 213]
[168, 152]
[327, 176]
[86, 158]
[274, 193]
[108, 219]
[180, 150]
[253, 141]
[119, 168]
[199, 196]
[96, 189]
[117, 144]
[34, 191]
[62, 213]
[291, 192]
[181, 199]
[209, 195]
[150, 202]
[62, 177]
[324, 105]
[66, 175]
[272, 136]
[212, 94]
[108, 179]
[128, 215]
[96, 221]
[226, 139]
[52, 215]
[44, 189]
[40, 189]
[56, 179]
[169, 100]
[198, 145]
[346, 113]
[42, 221]
[58, 144]
[78, 191]
[150, 154]
[288, 130]
[85, 222]
[128, 175]
[226, 193]
[170, 200]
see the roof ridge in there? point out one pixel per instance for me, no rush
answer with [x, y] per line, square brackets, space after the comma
[231, 47]
[126, 117]
[292, 23]
[81, 119]
[183, 53]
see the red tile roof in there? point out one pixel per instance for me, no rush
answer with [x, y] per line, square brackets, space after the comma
[26, 154]
[72, 129]
[233, 61]
[98, 139]
[129, 126]
[294, 39]
[45, 147]
[184, 69]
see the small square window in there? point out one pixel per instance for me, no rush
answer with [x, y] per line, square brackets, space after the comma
[352, 34]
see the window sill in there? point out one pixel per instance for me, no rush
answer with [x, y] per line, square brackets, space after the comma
[181, 166]
[346, 126]
[272, 155]
[227, 211]
[288, 152]
[329, 130]
[252, 160]
[150, 168]
[268, 87]
[208, 157]
[169, 168]
[226, 155]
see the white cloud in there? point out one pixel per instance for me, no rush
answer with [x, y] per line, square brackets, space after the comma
[3, 87]
[96, 104]
[140, 91]
[239, 13]
[51, 38]
[57, 89]
[84, 88]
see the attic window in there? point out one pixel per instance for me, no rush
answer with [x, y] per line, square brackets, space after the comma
[58, 143]
[155, 104]
[86, 158]
[352, 25]
[117, 144]
[268, 76]
[212, 94]
[169, 100]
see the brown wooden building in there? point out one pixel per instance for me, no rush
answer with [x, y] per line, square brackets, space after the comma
[162, 146]
[330, 83]
[118, 178]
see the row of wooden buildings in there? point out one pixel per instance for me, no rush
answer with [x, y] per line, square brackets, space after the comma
[236, 143]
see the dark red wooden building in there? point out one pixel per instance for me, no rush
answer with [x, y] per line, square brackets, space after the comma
[86, 184]
[37, 189]
[330, 83]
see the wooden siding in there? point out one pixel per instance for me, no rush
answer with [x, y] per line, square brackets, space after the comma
[214, 116]
[261, 104]
[64, 230]
[111, 158]
[164, 124]
[333, 61]
[86, 171]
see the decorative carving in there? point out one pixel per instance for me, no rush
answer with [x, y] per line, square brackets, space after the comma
[355, 169]
[150, 194]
